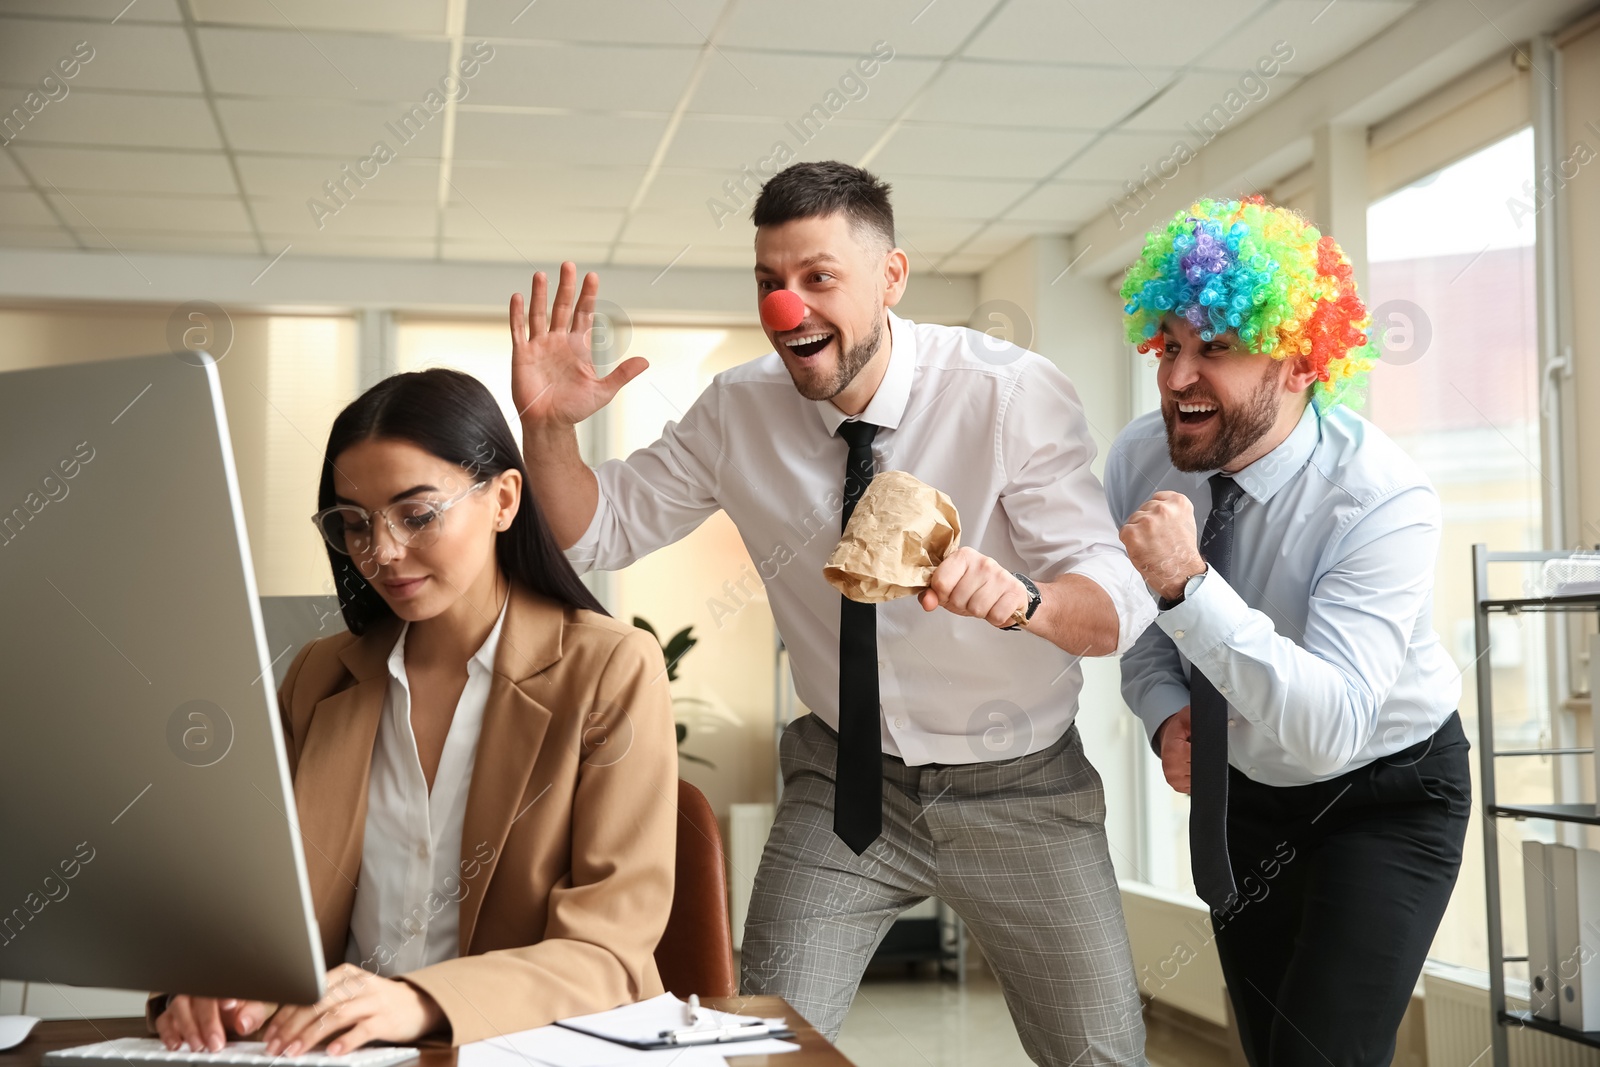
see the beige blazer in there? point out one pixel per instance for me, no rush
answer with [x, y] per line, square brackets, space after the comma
[573, 801]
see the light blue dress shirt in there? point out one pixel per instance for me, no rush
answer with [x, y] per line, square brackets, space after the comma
[1322, 641]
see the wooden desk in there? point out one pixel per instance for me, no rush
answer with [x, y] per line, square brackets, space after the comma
[814, 1048]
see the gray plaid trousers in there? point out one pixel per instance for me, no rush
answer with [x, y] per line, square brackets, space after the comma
[1017, 848]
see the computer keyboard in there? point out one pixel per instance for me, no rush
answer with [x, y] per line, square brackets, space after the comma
[138, 1050]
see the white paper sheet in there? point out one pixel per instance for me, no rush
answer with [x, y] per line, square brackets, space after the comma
[557, 1046]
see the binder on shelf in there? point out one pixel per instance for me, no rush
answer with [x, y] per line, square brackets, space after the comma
[1538, 884]
[1576, 873]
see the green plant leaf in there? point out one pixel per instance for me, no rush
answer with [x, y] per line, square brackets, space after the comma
[676, 649]
[646, 627]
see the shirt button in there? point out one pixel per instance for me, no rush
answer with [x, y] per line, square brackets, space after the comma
[900, 724]
[422, 850]
[1177, 633]
[1230, 722]
[1252, 770]
[1222, 689]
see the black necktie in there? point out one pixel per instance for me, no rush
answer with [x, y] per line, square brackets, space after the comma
[1208, 727]
[858, 772]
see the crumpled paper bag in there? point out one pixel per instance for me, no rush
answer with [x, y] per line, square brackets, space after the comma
[900, 531]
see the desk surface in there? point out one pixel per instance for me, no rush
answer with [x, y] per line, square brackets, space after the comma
[814, 1048]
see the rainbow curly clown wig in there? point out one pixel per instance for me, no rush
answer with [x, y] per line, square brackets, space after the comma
[1261, 272]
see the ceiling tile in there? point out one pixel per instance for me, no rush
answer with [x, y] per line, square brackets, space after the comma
[967, 263]
[697, 227]
[548, 186]
[385, 16]
[10, 176]
[124, 171]
[727, 144]
[357, 217]
[543, 138]
[35, 237]
[583, 77]
[240, 244]
[123, 56]
[23, 208]
[347, 130]
[296, 179]
[539, 255]
[355, 248]
[644, 21]
[99, 10]
[849, 27]
[327, 66]
[977, 152]
[819, 87]
[187, 214]
[1318, 33]
[1120, 157]
[135, 120]
[1013, 95]
[1068, 202]
[523, 224]
[953, 197]
[1209, 98]
[1110, 32]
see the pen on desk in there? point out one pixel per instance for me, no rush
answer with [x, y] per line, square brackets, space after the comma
[691, 1010]
[718, 1035]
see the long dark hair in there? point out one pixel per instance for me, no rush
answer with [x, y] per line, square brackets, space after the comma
[450, 415]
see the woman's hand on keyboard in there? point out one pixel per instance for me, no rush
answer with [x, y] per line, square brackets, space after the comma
[358, 1007]
[205, 1023]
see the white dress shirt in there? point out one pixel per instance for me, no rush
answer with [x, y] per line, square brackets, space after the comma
[408, 894]
[1000, 431]
[1322, 637]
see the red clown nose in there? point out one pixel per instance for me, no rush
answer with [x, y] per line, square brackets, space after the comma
[782, 310]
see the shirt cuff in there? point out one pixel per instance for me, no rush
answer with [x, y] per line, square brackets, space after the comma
[586, 548]
[1202, 624]
[1129, 598]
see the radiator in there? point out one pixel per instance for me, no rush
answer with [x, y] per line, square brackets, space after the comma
[1458, 1026]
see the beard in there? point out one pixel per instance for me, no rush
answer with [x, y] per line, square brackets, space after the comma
[1235, 430]
[845, 370]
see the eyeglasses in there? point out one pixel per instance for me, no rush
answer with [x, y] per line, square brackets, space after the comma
[414, 523]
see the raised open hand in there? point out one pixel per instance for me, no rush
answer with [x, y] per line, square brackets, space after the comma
[553, 378]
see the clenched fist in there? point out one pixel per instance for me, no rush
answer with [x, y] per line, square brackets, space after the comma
[1173, 737]
[970, 583]
[1162, 543]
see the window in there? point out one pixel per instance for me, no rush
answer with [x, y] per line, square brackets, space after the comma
[1451, 275]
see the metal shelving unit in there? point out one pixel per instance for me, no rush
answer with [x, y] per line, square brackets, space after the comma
[1588, 814]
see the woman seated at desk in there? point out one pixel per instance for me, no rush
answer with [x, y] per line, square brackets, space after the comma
[484, 766]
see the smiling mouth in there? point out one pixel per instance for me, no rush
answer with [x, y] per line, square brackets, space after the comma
[1197, 413]
[809, 344]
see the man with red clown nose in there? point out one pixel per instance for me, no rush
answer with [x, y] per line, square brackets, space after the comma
[940, 757]
[1292, 683]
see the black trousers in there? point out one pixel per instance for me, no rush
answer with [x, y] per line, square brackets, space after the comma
[1342, 885]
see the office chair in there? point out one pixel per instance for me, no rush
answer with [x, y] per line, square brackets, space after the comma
[695, 954]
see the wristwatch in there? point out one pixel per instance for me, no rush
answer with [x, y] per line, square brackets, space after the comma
[1163, 604]
[1022, 615]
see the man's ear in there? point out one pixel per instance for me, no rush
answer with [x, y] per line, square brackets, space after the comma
[896, 270]
[1301, 375]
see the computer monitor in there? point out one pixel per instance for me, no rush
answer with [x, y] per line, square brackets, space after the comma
[148, 833]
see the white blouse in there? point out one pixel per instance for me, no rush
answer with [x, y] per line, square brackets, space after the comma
[407, 906]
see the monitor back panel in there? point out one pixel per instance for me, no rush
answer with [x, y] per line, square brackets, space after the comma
[147, 819]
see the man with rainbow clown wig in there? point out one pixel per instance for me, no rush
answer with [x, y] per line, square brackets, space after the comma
[1292, 683]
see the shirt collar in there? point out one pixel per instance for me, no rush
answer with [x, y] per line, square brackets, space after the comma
[1263, 478]
[888, 404]
[483, 658]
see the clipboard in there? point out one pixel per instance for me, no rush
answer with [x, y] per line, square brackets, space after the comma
[658, 1024]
